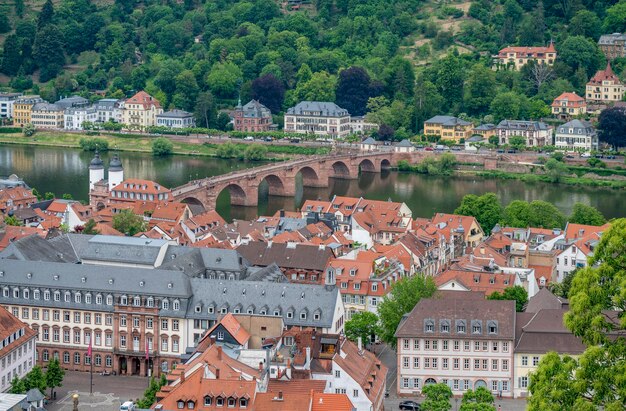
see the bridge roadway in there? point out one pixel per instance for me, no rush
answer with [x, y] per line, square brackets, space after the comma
[315, 170]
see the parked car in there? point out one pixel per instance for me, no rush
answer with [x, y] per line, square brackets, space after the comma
[268, 138]
[127, 406]
[249, 138]
[294, 140]
[501, 151]
[409, 405]
[429, 148]
[585, 155]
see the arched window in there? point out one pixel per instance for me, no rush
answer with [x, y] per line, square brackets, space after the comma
[137, 301]
[108, 361]
[99, 299]
[45, 355]
[176, 305]
[124, 300]
[98, 360]
[78, 298]
[165, 304]
[150, 302]
[16, 292]
[46, 295]
[66, 357]
[88, 298]
[36, 294]
[26, 293]
[109, 299]
[67, 297]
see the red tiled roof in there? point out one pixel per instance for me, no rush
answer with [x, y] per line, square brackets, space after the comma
[527, 51]
[576, 231]
[571, 99]
[604, 75]
[477, 281]
[145, 99]
[140, 186]
[234, 328]
[331, 402]
[9, 324]
[14, 233]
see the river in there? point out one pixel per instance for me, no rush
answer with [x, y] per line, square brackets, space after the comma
[61, 170]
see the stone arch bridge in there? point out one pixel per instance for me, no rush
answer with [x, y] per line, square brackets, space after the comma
[243, 185]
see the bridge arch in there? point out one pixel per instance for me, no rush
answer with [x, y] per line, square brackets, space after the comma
[196, 206]
[276, 185]
[385, 163]
[341, 170]
[312, 177]
[238, 195]
[367, 166]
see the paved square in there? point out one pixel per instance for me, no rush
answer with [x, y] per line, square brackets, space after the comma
[108, 392]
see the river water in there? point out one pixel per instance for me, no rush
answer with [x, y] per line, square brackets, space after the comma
[61, 170]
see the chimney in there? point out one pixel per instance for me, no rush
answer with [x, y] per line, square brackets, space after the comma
[217, 373]
[280, 396]
[260, 366]
[360, 344]
[219, 352]
[212, 339]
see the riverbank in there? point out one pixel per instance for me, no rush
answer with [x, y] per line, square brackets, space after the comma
[588, 180]
[143, 144]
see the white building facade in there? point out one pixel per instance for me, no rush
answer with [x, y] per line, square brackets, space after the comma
[17, 348]
[461, 340]
[319, 118]
[576, 135]
[6, 104]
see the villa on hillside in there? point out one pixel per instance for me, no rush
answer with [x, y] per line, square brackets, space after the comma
[319, 118]
[448, 128]
[140, 111]
[605, 87]
[568, 105]
[517, 57]
[253, 117]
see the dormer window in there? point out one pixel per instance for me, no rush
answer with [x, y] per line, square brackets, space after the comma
[180, 404]
[67, 296]
[165, 304]
[460, 326]
[137, 301]
[444, 326]
[176, 305]
[303, 315]
[190, 405]
[77, 298]
[429, 325]
[109, 299]
[150, 302]
[492, 327]
[477, 327]
[211, 310]
[208, 401]
[124, 300]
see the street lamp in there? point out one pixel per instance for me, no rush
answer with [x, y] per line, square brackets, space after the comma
[75, 400]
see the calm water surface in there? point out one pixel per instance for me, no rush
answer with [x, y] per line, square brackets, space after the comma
[66, 171]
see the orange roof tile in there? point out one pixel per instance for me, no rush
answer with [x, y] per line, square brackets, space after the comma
[570, 99]
[137, 185]
[331, 402]
[575, 231]
[145, 99]
[477, 281]
[234, 328]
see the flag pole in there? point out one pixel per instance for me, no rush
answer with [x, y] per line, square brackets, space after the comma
[90, 354]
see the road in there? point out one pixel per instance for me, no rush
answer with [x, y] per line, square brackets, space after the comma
[108, 392]
[387, 355]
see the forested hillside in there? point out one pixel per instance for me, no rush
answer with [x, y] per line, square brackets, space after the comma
[421, 58]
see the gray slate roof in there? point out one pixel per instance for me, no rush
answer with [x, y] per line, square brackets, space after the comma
[579, 127]
[191, 260]
[175, 114]
[304, 256]
[269, 296]
[34, 395]
[254, 109]
[522, 125]
[73, 101]
[318, 108]
[448, 121]
[35, 248]
[368, 140]
[106, 104]
[404, 143]
[485, 127]
[610, 39]
[47, 107]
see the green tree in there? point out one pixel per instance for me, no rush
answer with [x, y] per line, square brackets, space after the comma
[206, 111]
[516, 293]
[128, 223]
[48, 52]
[479, 399]
[509, 105]
[585, 214]
[35, 379]
[615, 20]
[149, 395]
[67, 196]
[19, 8]
[534, 214]
[186, 90]
[597, 301]
[49, 195]
[586, 23]
[320, 87]
[29, 129]
[162, 147]
[486, 208]
[562, 289]
[17, 386]
[45, 15]
[228, 150]
[363, 324]
[401, 299]
[478, 91]
[12, 220]
[54, 376]
[579, 51]
[11, 55]
[255, 152]
[427, 102]
[556, 170]
[223, 79]
[437, 397]
[612, 125]
[90, 228]
[495, 140]
[517, 142]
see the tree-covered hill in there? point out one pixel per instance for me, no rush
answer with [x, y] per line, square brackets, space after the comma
[419, 57]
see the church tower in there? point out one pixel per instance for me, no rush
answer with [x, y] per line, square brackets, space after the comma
[116, 172]
[96, 170]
